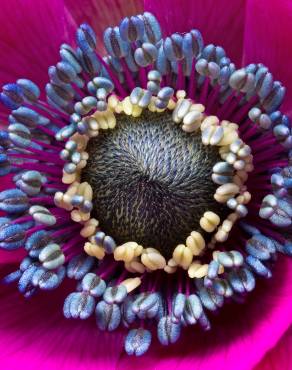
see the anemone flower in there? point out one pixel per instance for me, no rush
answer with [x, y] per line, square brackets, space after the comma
[146, 184]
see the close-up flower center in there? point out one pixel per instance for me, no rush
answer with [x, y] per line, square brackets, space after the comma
[157, 176]
[151, 181]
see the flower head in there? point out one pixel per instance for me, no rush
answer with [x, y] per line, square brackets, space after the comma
[157, 176]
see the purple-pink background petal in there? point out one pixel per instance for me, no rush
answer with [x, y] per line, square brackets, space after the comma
[220, 22]
[31, 33]
[278, 358]
[33, 334]
[102, 14]
[268, 40]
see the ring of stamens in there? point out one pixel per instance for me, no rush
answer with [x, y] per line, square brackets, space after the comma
[230, 175]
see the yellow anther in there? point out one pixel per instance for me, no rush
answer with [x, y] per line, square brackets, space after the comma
[106, 120]
[209, 221]
[152, 259]
[209, 121]
[151, 105]
[127, 252]
[183, 256]
[169, 269]
[244, 198]
[225, 192]
[171, 104]
[94, 250]
[181, 94]
[229, 124]
[197, 107]
[78, 216]
[136, 112]
[70, 178]
[112, 102]
[195, 242]
[135, 266]
[212, 135]
[61, 202]
[89, 228]
[131, 283]
[127, 106]
[80, 140]
[192, 121]
[197, 270]
[229, 136]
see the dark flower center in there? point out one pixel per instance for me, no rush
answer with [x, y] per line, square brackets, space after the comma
[151, 181]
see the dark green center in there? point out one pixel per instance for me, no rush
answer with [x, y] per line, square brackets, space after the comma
[151, 181]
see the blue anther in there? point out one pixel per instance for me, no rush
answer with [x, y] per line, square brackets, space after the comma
[69, 55]
[30, 90]
[93, 284]
[128, 316]
[193, 309]
[260, 247]
[79, 266]
[137, 341]
[242, 281]
[173, 47]
[13, 201]
[86, 38]
[114, 44]
[168, 331]
[192, 44]
[132, 29]
[258, 267]
[48, 280]
[115, 294]
[210, 299]
[25, 285]
[5, 166]
[178, 306]
[11, 96]
[108, 316]
[79, 305]
[152, 28]
[19, 135]
[12, 236]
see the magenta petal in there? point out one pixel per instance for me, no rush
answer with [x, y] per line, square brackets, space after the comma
[103, 13]
[31, 33]
[34, 335]
[268, 39]
[279, 358]
[220, 22]
[11, 256]
[241, 334]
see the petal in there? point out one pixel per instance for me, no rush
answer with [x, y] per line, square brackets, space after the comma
[279, 358]
[101, 14]
[240, 336]
[268, 39]
[34, 333]
[220, 22]
[31, 33]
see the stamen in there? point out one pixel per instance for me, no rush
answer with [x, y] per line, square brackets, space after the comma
[151, 155]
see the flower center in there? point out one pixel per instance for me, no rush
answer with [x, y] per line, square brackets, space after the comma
[151, 181]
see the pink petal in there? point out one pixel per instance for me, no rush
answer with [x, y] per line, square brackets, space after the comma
[220, 22]
[102, 14]
[279, 358]
[34, 335]
[31, 33]
[268, 39]
[241, 334]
